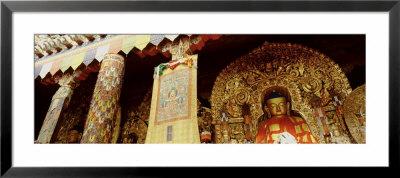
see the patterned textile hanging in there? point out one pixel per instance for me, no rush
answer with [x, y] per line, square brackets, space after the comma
[173, 113]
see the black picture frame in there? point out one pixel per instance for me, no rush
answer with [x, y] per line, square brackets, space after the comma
[8, 7]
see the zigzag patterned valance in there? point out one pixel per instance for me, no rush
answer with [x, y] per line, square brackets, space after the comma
[142, 45]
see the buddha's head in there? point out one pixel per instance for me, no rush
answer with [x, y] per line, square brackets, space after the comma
[172, 93]
[276, 105]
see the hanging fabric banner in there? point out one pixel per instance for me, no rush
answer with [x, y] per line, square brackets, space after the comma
[156, 39]
[128, 44]
[173, 113]
[89, 57]
[101, 51]
[142, 41]
[77, 60]
[45, 69]
[66, 63]
[171, 37]
[115, 46]
[37, 70]
[55, 67]
[86, 53]
[159, 69]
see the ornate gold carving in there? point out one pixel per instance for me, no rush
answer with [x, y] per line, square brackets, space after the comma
[135, 127]
[242, 96]
[355, 115]
[143, 110]
[204, 122]
[304, 72]
[68, 80]
[237, 133]
[311, 85]
[134, 130]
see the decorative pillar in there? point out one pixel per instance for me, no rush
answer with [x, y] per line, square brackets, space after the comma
[116, 129]
[104, 105]
[59, 102]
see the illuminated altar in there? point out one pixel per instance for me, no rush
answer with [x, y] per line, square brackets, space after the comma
[316, 88]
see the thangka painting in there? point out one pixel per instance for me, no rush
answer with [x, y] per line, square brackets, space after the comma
[173, 112]
[174, 96]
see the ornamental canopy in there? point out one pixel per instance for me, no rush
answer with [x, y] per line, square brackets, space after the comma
[86, 53]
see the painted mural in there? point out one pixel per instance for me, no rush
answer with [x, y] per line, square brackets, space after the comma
[173, 103]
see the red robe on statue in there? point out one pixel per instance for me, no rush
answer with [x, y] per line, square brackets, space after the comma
[269, 130]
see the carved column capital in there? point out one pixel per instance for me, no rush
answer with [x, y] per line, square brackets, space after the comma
[68, 80]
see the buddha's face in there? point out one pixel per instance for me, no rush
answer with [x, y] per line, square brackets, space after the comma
[73, 136]
[172, 94]
[277, 106]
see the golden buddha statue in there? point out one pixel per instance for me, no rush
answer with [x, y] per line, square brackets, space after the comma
[280, 124]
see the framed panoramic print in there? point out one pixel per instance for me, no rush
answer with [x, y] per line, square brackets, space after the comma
[102, 88]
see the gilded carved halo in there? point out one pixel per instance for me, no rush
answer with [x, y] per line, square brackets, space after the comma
[304, 72]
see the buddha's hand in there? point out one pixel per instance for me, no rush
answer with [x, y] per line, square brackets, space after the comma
[285, 138]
